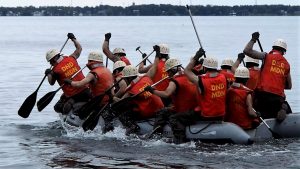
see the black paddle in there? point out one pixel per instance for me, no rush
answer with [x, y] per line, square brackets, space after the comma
[45, 100]
[274, 134]
[190, 13]
[92, 120]
[86, 109]
[29, 102]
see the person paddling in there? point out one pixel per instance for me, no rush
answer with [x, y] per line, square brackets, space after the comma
[211, 88]
[274, 78]
[156, 71]
[143, 106]
[181, 91]
[63, 68]
[253, 67]
[117, 54]
[239, 100]
[99, 79]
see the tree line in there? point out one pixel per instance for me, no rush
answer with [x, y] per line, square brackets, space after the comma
[153, 10]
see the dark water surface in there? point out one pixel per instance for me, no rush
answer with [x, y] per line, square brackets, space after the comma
[39, 142]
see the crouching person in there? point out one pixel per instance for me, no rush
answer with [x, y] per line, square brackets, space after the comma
[239, 108]
[211, 88]
[141, 104]
[180, 90]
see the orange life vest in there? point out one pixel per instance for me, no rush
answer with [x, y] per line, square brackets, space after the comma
[147, 104]
[160, 74]
[274, 74]
[185, 97]
[65, 69]
[124, 59]
[254, 77]
[228, 74]
[212, 99]
[237, 110]
[104, 80]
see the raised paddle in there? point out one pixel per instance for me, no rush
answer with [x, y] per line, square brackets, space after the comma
[91, 122]
[45, 100]
[190, 13]
[29, 102]
[275, 135]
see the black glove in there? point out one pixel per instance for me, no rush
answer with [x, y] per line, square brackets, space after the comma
[255, 36]
[47, 71]
[241, 56]
[156, 48]
[199, 53]
[68, 81]
[71, 36]
[144, 55]
[201, 61]
[258, 114]
[149, 89]
[107, 36]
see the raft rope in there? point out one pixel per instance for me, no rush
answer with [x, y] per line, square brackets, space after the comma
[210, 123]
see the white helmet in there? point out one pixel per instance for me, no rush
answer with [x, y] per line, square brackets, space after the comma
[118, 50]
[251, 60]
[51, 53]
[129, 71]
[95, 56]
[118, 64]
[210, 62]
[241, 72]
[164, 49]
[280, 43]
[227, 62]
[170, 63]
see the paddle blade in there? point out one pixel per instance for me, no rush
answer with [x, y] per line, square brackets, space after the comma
[27, 105]
[91, 122]
[45, 100]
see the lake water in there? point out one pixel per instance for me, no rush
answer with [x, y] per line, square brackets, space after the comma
[39, 142]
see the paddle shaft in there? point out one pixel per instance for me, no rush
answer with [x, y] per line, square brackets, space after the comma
[259, 44]
[190, 13]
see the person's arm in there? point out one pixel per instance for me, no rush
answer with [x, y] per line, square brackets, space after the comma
[238, 61]
[168, 92]
[78, 47]
[249, 101]
[123, 87]
[248, 50]
[288, 84]
[105, 48]
[143, 68]
[189, 73]
[89, 77]
[51, 79]
[151, 72]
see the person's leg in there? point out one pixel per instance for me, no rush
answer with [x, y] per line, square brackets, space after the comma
[179, 122]
[162, 116]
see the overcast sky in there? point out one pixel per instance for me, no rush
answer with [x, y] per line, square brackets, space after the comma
[14, 3]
